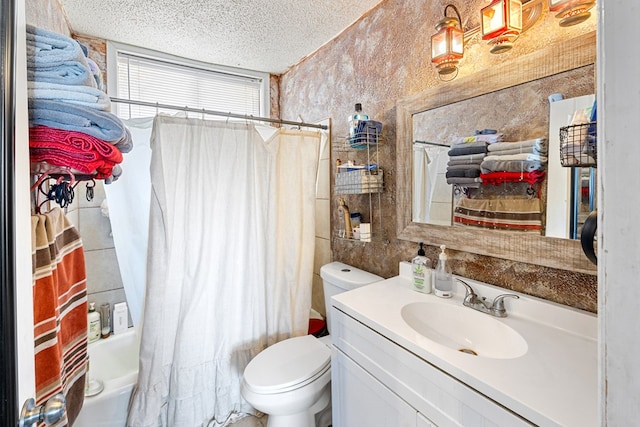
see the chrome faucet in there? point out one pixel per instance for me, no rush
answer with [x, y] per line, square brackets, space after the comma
[496, 308]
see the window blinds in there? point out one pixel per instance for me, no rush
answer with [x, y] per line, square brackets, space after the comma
[151, 80]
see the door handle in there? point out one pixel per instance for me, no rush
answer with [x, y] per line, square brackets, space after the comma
[51, 412]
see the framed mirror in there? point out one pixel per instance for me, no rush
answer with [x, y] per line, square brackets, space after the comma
[565, 254]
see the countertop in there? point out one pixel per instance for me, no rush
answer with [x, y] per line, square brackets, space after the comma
[555, 383]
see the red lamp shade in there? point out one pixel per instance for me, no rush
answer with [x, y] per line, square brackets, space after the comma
[447, 46]
[500, 17]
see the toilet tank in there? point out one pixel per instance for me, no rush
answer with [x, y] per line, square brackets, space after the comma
[338, 277]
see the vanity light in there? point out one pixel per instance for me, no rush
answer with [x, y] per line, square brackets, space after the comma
[571, 12]
[501, 23]
[447, 45]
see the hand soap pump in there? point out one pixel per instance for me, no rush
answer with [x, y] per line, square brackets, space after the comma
[421, 267]
[443, 282]
[93, 320]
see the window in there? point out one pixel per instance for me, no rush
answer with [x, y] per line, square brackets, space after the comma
[136, 74]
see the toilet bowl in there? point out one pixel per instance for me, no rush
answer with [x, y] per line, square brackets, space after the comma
[291, 380]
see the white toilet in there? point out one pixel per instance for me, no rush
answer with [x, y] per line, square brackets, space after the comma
[291, 380]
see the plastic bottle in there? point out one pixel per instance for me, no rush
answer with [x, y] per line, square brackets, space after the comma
[354, 120]
[105, 318]
[93, 320]
[421, 267]
[443, 279]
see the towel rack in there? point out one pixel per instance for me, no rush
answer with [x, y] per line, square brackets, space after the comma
[62, 191]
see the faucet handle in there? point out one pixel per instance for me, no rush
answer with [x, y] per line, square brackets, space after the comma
[470, 295]
[498, 304]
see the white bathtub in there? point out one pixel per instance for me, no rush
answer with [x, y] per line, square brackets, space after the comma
[114, 361]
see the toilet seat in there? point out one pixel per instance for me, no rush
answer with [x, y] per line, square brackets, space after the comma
[288, 365]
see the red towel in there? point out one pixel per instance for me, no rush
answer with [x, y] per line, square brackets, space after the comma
[60, 311]
[497, 178]
[73, 149]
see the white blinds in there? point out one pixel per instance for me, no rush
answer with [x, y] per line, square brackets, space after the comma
[156, 81]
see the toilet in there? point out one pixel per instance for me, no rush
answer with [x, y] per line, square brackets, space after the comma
[291, 380]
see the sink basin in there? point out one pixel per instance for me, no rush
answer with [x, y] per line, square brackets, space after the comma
[464, 329]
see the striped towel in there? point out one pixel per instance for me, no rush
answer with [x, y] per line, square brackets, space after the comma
[500, 214]
[60, 311]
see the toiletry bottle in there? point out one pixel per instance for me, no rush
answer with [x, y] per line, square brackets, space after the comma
[344, 209]
[421, 267]
[93, 319]
[354, 119]
[105, 318]
[443, 279]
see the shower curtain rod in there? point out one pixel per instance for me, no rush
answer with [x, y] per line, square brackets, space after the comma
[431, 143]
[217, 113]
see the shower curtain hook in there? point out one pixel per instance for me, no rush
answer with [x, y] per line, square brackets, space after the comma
[203, 113]
[156, 108]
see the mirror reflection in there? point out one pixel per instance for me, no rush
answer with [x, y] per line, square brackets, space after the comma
[525, 186]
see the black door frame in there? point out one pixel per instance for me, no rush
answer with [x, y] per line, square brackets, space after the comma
[8, 344]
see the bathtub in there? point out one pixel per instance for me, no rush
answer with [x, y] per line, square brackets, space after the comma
[114, 361]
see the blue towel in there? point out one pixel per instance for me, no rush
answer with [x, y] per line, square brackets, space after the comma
[56, 58]
[63, 115]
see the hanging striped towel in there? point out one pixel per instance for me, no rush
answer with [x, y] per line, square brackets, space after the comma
[60, 311]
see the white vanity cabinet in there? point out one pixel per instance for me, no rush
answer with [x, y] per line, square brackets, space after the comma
[376, 382]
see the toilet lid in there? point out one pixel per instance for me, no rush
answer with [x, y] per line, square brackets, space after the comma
[287, 363]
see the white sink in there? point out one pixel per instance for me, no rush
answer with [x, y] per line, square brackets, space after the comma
[464, 329]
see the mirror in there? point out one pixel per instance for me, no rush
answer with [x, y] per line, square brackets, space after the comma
[521, 74]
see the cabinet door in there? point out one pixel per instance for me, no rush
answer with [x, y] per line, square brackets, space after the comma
[359, 400]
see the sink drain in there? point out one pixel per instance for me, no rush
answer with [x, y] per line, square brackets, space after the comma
[468, 351]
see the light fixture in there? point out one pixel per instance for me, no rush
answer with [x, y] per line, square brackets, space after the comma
[447, 45]
[501, 23]
[571, 12]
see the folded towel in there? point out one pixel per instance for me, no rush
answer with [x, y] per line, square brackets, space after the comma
[47, 48]
[462, 173]
[80, 95]
[76, 150]
[466, 166]
[465, 182]
[56, 58]
[471, 159]
[511, 166]
[489, 138]
[68, 73]
[522, 156]
[500, 214]
[538, 145]
[497, 178]
[468, 158]
[63, 115]
[461, 150]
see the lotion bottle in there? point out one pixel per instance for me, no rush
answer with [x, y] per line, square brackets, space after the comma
[421, 267]
[93, 319]
[443, 279]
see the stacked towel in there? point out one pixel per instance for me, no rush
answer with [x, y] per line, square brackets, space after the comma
[465, 157]
[522, 157]
[500, 214]
[71, 125]
[79, 151]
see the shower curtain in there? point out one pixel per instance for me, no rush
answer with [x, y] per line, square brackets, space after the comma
[230, 263]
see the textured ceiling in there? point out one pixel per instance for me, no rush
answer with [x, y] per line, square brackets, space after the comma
[263, 35]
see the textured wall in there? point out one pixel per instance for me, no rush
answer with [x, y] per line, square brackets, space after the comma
[377, 61]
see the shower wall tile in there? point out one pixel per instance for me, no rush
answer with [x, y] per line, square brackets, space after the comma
[95, 229]
[323, 186]
[323, 229]
[103, 273]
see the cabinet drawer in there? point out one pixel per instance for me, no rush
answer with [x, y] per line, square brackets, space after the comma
[441, 398]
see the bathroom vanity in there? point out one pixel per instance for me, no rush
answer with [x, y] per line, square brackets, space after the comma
[402, 358]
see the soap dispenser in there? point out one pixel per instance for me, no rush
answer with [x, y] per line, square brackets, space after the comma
[421, 267]
[443, 279]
